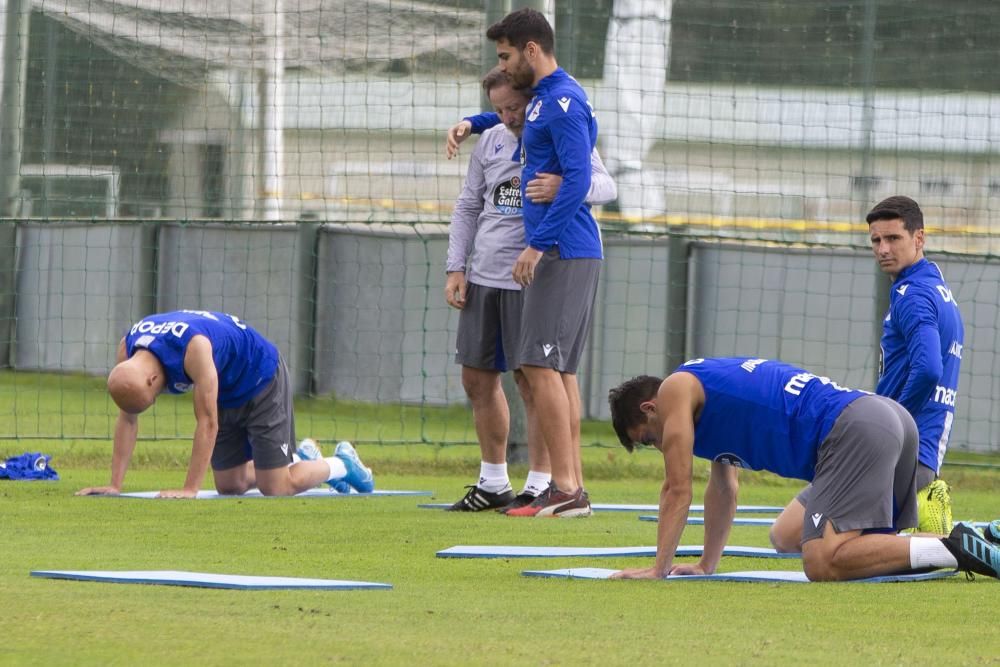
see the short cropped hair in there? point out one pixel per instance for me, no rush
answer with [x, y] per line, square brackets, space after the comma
[625, 400]
[898, 207]
[522, 26]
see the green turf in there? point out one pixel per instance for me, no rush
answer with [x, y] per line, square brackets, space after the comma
[441, 611]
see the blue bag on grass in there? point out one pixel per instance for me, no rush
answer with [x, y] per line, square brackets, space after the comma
[28, 466]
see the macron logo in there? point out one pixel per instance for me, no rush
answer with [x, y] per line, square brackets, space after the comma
[284, 448]
[564, 103]
[547, 349]
[902, 289]
[816, 519]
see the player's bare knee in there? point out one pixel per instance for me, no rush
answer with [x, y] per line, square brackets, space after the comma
[782, 541]
[819, 568]
[479, 385]
[232, 488]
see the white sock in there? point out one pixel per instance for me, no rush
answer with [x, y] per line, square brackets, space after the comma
[493, 477]
[337, 468]
[537, 482]
[930, 552]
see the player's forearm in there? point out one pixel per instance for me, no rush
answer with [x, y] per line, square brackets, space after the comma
[201, 455]
[675, 503]
[124, 444]
[461, 236]
[602, 186]
[572, 147]
[483, 121]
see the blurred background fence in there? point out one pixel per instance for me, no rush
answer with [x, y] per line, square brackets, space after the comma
[284, 161]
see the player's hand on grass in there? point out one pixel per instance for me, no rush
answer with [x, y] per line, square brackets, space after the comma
[178, 493]
[99, 491]
[641, 573]
[543, 188]
[454, 289]
[456, 135]
[688, 568]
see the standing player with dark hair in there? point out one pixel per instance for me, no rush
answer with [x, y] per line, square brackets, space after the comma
[242, 406]
[922, 338]
[485, 238]
[560, 265]
[858, 450]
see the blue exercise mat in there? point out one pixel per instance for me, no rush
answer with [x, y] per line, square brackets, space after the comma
[205, 580]
[700, 521]
[464, 551]
[748, 521]
[785, 576]
[611, 507]
[311, 493]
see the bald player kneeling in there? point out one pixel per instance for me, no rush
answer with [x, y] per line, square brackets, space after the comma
[242, 405]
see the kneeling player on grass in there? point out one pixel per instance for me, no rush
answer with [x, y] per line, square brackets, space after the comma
[242, 405]
[858, 450]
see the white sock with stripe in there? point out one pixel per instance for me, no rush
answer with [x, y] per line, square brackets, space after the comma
[930, 552]
[537, 482]
[493, 477]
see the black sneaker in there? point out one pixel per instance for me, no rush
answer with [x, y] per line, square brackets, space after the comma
[992, 532]
[477, 500]
[973, 553]
[520, 500]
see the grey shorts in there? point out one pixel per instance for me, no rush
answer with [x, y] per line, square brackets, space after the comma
[489, 328]
[865, 475]
[558, 309]
[262, 430]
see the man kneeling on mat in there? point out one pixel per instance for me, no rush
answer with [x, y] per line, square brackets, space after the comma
[858, 450]
[242, 405]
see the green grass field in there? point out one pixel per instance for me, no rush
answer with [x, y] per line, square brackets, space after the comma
[440, 611]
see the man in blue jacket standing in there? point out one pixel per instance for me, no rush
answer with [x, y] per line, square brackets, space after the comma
[560, 266]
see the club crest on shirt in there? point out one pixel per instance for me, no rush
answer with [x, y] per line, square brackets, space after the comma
[535, 110]
[507, 196]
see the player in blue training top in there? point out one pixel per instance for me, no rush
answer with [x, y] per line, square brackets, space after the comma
[242, 406]
[922, 338]
[857, 449]
[560, 265]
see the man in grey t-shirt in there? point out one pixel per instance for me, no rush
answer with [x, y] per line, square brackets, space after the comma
[485, 239]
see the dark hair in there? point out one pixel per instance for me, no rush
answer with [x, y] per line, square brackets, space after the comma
[898, 207]
[497, 78]
[523, 26]
[625, 400]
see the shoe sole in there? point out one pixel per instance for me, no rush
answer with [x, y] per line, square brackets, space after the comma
[569, 513]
